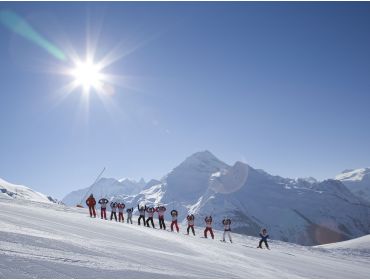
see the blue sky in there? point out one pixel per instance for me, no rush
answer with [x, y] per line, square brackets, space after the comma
[283, 87]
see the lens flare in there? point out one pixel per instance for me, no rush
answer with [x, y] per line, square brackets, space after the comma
[20, 26]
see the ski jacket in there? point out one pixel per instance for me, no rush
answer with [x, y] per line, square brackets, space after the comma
[190, 219]
[226, 223]
[90, 201]
[150, 211]
[264, 236]
[141, 210]
[161, 211]
[121, 206]
[113, 205]
[103, 202]
[208, 221]
[174, 215]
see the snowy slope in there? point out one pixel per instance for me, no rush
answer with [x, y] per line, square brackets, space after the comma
[39, 240]
[358, 246]
[361, 243]
[107, 187]
[357, 181]
[12, 191]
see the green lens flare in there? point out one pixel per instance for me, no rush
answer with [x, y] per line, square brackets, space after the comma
[20, 26]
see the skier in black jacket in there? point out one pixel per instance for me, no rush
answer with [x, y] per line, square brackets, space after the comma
[113, 205]
[142, 210]
[264, 236]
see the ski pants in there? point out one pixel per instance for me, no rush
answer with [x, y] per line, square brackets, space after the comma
[264, 241]
[129, 218]
[103, 213]
[228, 233]
[92, 211]
[151, 220]
[161, 223]
[210, 231]
[120, 217]
[192, 229]
[113, 214]
[174, 223]
[141, 217]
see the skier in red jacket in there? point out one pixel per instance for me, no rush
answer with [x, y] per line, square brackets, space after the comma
[208, 221]
[120, 207]
[90, 202]
[161, 210]
[150, 211]
[190, 219]
[174, 215]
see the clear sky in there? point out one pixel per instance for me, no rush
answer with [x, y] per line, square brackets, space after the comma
[282, 87]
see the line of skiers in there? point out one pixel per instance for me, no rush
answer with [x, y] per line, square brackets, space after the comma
[90, 202]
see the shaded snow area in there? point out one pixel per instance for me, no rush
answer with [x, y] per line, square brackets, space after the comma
[43, 240]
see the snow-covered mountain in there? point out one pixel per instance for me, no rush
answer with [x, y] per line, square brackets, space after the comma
[302, 211]
[105, 187]
[39, 240]
[357, 181]
[12, 191]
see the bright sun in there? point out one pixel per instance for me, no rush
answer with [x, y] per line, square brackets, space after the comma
[88, 75]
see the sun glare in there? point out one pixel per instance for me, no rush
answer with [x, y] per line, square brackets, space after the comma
[87, 75]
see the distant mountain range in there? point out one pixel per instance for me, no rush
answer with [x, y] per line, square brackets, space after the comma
[105, 187]
[357, 181]
[302, 211]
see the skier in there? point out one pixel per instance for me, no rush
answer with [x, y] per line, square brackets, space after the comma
[208, 221]
[91, 203]
[227, 229]
[142, 210]
[103, 207]
[190, 219]
[113, 205]
[174, 215]
[161, 210]
[264, 236]
[129, 214]
[121, 206]
[150, 211]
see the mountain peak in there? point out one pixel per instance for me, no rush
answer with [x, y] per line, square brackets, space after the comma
[353, 174]
[203, 155]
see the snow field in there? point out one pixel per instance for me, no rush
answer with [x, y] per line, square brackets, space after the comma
[39, 240]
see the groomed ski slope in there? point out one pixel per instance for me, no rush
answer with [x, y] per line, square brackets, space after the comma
[39, 240]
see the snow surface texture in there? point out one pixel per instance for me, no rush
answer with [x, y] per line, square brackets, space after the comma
[357, 181]
[303, 211]
[12, 191]
[44, 240]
